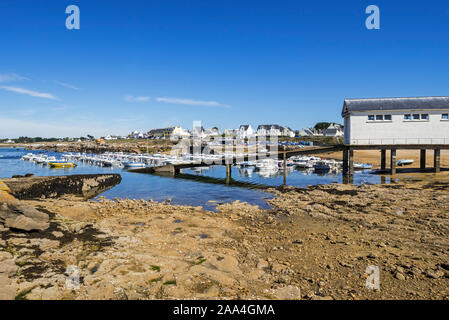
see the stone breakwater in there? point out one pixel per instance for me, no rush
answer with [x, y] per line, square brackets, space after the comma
[315, 243]
[85, 186]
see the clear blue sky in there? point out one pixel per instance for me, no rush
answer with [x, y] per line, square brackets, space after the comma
[148, 64]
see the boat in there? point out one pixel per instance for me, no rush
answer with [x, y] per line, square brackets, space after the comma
[321, 166]
[404, 162]
[362, 166]
[61, 165]
[133, 164]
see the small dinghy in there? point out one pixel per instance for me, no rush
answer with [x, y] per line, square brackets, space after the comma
[405, 162]
[61, 165]
[362, 166]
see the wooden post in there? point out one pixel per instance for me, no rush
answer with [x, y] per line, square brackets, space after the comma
[383, 159]
[228, 172]
[393, 161]
[351, 161]
[422, 159]
[285, 168]
[436, 160]
[345, 161]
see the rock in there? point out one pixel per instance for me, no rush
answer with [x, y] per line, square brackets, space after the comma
[399, 276]
[48, 244]
[5, 256]
[322, 298]
[120, 294]
[435, 274]
[262, 264]
[57, 234]
[23, 217]
[51, 293]
[8, 267]
[288, 293]
[7, 293]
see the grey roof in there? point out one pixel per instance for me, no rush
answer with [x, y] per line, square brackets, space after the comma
[269, 127]
[420, 103]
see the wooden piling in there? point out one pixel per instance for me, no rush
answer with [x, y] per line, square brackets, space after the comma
[351, 161]
[285, 168]
[345, 161]
[393, 161]
[383, 159]
[422, 159]
[436, 160]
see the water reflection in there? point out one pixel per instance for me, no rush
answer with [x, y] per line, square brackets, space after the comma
[245, 184]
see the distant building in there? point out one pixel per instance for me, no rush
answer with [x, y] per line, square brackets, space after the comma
[288, 132]
[162, 133]
[111, 137]
[422, 120]
[198, 132]
[230, 132]
[212, 132]
[137, 135]
[245, 131]
[274, 130]
[179, 133]
[309, 132]
[334, 130]
[269, 130]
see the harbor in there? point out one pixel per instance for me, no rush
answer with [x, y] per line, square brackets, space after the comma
[257, 176]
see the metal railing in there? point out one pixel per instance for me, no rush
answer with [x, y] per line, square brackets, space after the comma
[398, 141]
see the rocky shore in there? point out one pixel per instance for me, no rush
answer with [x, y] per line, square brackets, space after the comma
[315, 243]
[131, 146]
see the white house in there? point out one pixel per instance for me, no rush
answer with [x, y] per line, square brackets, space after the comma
[270, 130]
[245, 131]
[137, 135]
[334, 130]
[179, 132]
[308, 132]
[287, 132]
[422, 120]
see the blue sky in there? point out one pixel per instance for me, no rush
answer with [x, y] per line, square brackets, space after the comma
[148, 64]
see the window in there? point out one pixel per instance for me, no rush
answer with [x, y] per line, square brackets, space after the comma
[371, 117]
[387, 117]
[424, 116]
[415, 116]
[407, 117]
[379, 117]
[445, 116]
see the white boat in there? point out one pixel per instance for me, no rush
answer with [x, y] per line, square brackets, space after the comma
[269, 165]
[404, 162]
[362, 166]
[133, 164]
[305, 164]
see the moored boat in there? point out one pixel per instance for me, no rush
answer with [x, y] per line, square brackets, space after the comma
[61, 165]
[404, 162]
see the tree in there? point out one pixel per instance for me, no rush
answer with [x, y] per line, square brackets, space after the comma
[90, 137]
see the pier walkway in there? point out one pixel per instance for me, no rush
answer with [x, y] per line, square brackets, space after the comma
[229, 161]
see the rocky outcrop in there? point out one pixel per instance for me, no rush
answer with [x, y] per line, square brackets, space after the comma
[85, 186]
[22, 217]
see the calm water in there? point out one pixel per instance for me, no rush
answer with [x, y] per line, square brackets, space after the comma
[189, 191]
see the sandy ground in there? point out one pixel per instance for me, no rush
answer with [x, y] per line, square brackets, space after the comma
[315, 243]
[373, 157]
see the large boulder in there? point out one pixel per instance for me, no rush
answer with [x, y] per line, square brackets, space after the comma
[23, 217]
